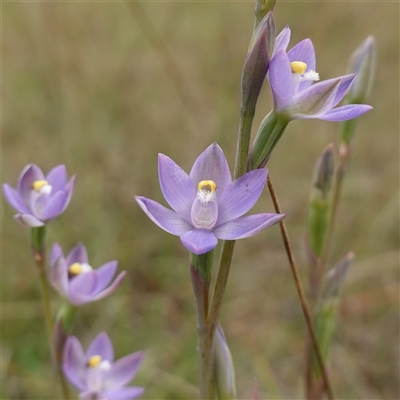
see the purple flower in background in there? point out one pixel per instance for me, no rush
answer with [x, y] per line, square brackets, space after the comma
[207, 204]
[39, 199]
[96, 375]
[76, 280]
[291, 76]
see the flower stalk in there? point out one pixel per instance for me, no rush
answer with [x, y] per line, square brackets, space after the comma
[38, 246]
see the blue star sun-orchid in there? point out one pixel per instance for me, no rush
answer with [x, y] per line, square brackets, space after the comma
[291, 77]
[95, 373]
[207, 205]
[38, 198]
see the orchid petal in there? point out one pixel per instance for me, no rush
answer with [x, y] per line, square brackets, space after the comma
[166, 219]
[68, 190]
[281, 79]
[101, 346]
[123, 370]
[241, 195]
[199, 241]
[81, 287]
[244, 227]
[57, 178]
[54, 206]
[211, 165]
[29, 220]
[178, 189]
[126, 393]
[282, 40]
[15, 199]
[58, 276]
[345, 112]
[344, 86]
[105, 274]
[313, 101]
[55, 253]
[74, 361]
[29, 174]
[77, 255]
[110, 289]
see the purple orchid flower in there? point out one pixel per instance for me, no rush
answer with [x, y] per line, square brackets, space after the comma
[76, 280]
[291, 75]
[96, 375]
[207, 205]
[39, 199]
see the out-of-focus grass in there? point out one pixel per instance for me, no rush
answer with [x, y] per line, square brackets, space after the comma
[104, 87]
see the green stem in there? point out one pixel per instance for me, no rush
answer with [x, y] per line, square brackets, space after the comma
[300, 291]
[200, 273]
[38, 245]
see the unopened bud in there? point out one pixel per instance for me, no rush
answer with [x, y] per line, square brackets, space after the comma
[257, 62]
[319, 204]
[224, 372]
[362, 63]
[326, 309]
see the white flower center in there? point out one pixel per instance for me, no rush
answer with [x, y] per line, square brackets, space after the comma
[77, 268]
[205, 209]
[299, 70]
[42, 187]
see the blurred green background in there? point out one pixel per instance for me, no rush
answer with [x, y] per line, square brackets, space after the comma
[104, 87]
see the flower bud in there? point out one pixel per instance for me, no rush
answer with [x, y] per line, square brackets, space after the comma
[326, 309]
[224, 372]
[362, 62]
[319, 203]
[257, 61]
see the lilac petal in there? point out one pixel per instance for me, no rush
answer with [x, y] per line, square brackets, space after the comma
[29, 220]
[110, 289]
[101, 346]
[83, 284]
[211, 165]
[54, 206]
[313, 101]
[304, 51]
[29, 174]
[199, 241]
[74, 361]
[166, 219]
[58, 276]
[123, 370]
[126, 393]
[14, 199]
[77, 255]
[57, 178]
[178, 189]
[68, 190]
[345, 83]
[282, 40]
[345, 112]
[241, 195]
[105, 274]
[55, 253]
[281, 79]
[244, 227]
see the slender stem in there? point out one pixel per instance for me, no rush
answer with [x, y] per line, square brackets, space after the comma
[300, 290]
[39, 255]
[200, 274]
